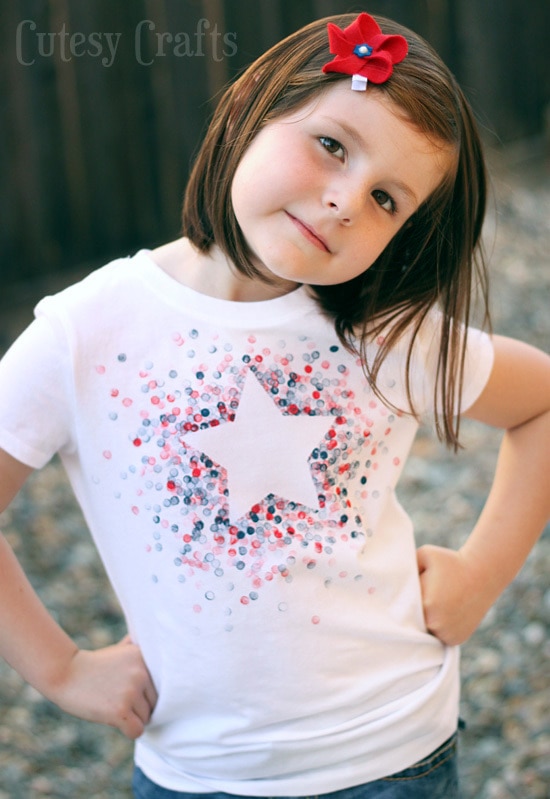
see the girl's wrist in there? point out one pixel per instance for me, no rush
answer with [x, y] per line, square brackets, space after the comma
[487, 577]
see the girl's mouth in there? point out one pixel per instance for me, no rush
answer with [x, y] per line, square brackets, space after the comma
[309, 233]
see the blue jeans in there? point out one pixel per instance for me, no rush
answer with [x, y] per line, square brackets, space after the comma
[434, 777]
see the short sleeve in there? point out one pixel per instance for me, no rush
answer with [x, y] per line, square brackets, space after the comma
[478, 363]
[477, 367]
[35, 395]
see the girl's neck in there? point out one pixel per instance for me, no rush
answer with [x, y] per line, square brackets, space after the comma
[213, 274]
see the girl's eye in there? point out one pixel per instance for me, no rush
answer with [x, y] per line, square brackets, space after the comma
[385, 201]
[332, 146]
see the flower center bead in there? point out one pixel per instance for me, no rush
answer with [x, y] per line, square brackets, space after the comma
[362, 50]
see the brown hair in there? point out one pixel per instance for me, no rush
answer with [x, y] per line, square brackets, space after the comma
[436, 258]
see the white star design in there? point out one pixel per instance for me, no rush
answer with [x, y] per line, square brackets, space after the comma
[263, 451]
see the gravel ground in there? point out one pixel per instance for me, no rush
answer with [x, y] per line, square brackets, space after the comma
[505, 749]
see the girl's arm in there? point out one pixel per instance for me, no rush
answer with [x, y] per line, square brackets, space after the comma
[458, 588]
[111, 686]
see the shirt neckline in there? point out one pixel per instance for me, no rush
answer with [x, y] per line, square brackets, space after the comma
[178, 295]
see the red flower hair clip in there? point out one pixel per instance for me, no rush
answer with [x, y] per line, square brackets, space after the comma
[364, 52]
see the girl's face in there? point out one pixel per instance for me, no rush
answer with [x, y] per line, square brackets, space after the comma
[320, 193]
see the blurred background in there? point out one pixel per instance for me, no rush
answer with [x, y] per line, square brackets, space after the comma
[102, 106]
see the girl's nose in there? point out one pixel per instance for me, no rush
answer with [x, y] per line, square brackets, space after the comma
[345, 201]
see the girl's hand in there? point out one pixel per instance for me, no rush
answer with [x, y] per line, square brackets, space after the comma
[110, 686]
[453, 598]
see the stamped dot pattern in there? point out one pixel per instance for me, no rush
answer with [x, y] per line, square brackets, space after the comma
[184, 493]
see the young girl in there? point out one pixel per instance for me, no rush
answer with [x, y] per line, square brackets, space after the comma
[234, 410]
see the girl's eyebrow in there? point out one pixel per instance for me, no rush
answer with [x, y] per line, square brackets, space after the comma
[353, 133]
[358, 140]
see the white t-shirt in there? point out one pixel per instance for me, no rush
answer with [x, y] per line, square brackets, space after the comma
[237, 474]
